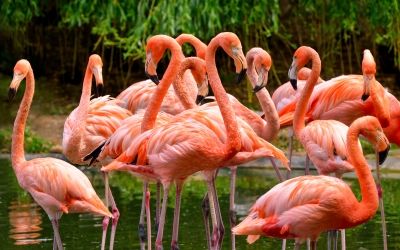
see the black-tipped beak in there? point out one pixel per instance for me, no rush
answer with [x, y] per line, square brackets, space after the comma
[383, 155]
[99, 89]
[257, 88]
[293, 82]
[153, 78]
[11, 94]
[199, 99]
[263, 116]
[241, 75]
[364, 97]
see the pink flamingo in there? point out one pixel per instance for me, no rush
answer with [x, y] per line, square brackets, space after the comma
[196, 145]
[198, 45]
[88, 125]
[305, 206]
[57, 186]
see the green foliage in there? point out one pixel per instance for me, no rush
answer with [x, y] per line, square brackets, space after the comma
[33, 143]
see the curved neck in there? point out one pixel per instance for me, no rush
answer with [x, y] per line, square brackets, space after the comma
[198, 45]
[369, 201]
[83, 107]
[233, 139]
[301, 108]
[17, 146]
[380, 103]
[271, 128]
[156, 100]
[181, 86]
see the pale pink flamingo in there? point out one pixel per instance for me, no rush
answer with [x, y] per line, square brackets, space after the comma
[88, 125]
[305, 206]
[194, 142]
[57, 186]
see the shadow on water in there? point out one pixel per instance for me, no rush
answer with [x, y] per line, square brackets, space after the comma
[24, 225]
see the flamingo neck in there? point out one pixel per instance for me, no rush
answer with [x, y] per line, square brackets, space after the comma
[233, 143]
[84, 102]
[301, 108]
[369, 201]
[271, 127]
[17, 146]
[181, 87]
[154, 105]
[198, 45]
[380, 103]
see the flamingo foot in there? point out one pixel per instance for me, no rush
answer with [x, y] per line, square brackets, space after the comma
[174, 246]
[159, 245]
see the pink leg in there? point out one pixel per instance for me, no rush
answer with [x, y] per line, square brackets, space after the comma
[106, 219]
[290, 135]
[232, 211]
[206, 216]
[307, 168]
[54, 237]
[175, 228]
[141, 229]
[218, 225]
[116, 214]
[162, 217]
[54, 223]
[158, 201]
[278, 174]
[148, 217]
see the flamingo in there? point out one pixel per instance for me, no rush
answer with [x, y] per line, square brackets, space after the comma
[89, 125]
[57, 186]
[305, 206]
[193, 142]
[198, 45]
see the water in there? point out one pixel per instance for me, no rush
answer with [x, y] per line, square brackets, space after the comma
[24, 225]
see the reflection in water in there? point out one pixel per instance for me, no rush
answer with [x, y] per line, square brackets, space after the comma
[25, 221]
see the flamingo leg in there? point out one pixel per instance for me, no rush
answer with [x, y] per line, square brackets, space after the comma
[206, 215]
[148, 217]
[218, 225]
[54, 223]
[329, 240]
[54, 238]
[278, 174]
[381, 205]
[283, 244]
[308, 244]
[106, 219]
[158, 201]
[290, 135]
[141, 230]
[297, 245]
[115, 219]
[160, 231]
[335, 239]
[175, 228]
[307, 167]
[313, 245]
[232, 211]
[343, 238]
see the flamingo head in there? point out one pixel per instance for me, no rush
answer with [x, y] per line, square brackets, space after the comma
[155, 50]
[21, 69]
[96, 66]
[369, 71]
[259, 60]
[300, 58]
[231, 44]
[373, 132]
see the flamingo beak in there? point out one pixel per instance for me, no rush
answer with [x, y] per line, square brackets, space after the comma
[240, 63]
[367, 87]
[262, 80]
[16, 81]
[98, 76]
[199, 99]
[293, 74]
[151, 69]
[382, 155]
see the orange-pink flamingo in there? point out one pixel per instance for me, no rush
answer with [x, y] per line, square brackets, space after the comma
[88, 125]
[57, 186]
[198, 45]
[305, 206]
[194, 142]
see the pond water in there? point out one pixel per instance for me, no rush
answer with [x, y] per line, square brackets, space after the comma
[24, 225]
